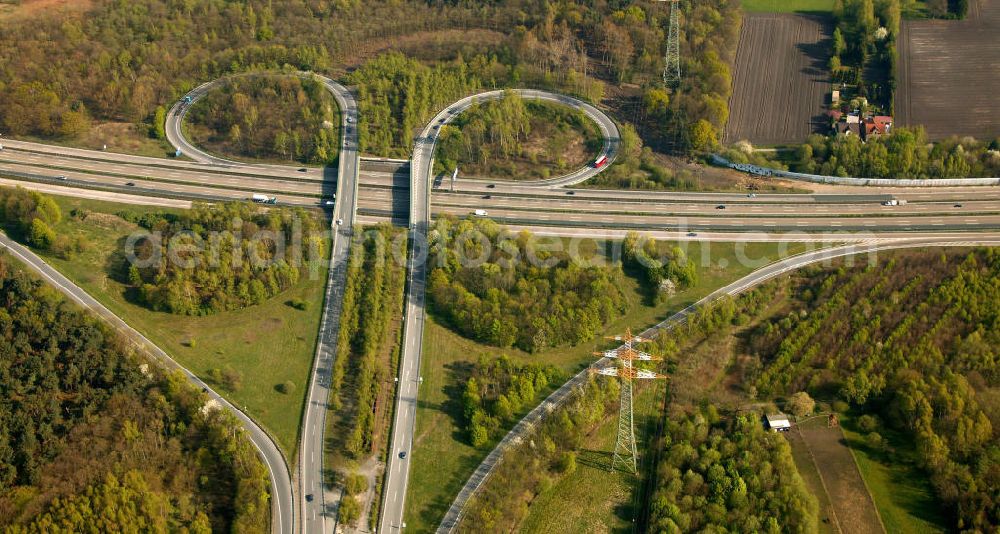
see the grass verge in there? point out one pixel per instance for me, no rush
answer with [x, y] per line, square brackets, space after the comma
[593, 498]
[119, 137]
[442, 458]
[900, 490]
[268, 344]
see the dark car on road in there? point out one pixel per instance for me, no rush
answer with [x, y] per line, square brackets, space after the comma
[130, 184]
[720, 207]
[402, 455]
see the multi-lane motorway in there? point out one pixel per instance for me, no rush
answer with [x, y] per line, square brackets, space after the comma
[371, 191]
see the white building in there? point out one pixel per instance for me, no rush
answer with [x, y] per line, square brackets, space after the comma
[778, 423]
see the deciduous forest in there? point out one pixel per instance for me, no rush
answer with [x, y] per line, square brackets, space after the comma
[223, 257]
[120, 61]
[496, 391]
[904, 153]
[909, 341]
[88, 432]
[913, 340]
[507, 290]
[716, 473]
[283, 118]
[519, 139]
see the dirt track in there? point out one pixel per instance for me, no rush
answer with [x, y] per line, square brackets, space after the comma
[855, 511]
[780, 83]
[949, 74]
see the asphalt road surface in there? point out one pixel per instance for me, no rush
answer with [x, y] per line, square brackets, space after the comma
[421, 178]
[317, 505]
[281, 485]
[391, 190]
[522, 430]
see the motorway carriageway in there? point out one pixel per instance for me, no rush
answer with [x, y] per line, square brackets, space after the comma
[544, 206]
[379, 204]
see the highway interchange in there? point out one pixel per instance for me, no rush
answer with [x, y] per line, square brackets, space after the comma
[372, 191]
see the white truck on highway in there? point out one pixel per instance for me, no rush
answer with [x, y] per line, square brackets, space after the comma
[894, 202]
[479, 213]
[263, 199]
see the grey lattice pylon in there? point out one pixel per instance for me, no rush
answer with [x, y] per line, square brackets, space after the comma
[625, 453]
[672, 60]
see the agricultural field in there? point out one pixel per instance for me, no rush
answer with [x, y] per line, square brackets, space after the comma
[852, 508]
[780, 81]
[949, 74]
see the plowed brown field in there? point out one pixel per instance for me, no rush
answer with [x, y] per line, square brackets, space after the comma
[781, 82]
[949, 74]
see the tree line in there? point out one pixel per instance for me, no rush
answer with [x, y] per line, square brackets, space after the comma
[119, 61]
[903, 153]
[92, 437]
[223, 257]
[912, 341]
[496, 391]
[717, 472]
[536, 463]
[505, 290]
[271, 117]
[864, 48]
[368, 347]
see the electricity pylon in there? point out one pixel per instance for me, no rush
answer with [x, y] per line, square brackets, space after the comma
[672, 60]
[625, 449]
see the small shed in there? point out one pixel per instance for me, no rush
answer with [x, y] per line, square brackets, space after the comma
[778, 422]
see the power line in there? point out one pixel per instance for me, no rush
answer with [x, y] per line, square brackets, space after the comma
[672, 60]
[625, 449]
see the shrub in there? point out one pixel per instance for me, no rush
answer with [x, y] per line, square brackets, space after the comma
[286, 387]
[567, 464]
[874, 440]
[350, 510]
[231, 379]
[40, 235]
[801, 404]
[355, 484]
[868, 423]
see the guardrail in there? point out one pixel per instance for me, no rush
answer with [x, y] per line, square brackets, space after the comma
[839, 180]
